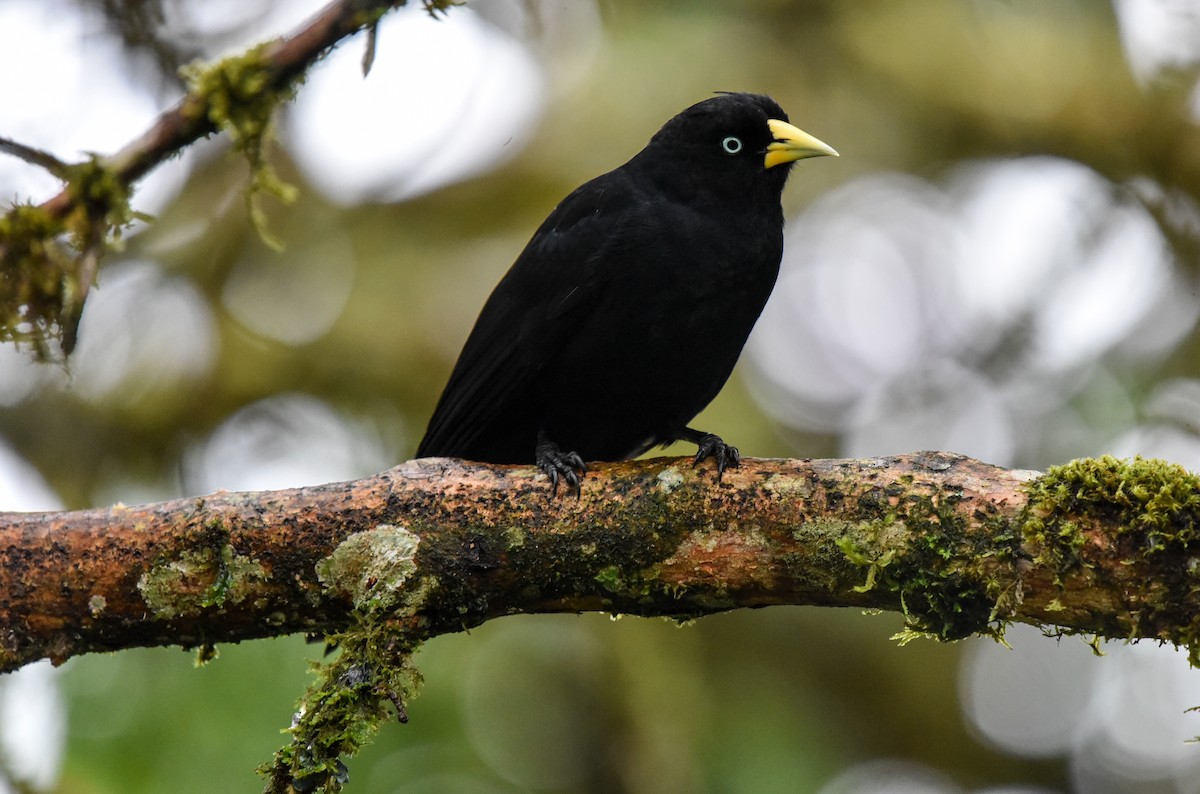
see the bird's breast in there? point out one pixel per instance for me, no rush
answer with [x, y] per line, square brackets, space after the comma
[672, 323]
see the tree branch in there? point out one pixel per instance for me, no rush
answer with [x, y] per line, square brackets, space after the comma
[283, 60]
[42, 288]
[436, 546]
[34, 156]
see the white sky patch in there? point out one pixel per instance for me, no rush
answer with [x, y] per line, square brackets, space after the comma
[1159, 34]
[863, 269]
[1137, 727]
[937, 406]
[893, 776]
[66, 94]
[33, 725]
[1170, 428]
[227, 27]
[1121, 277]
[1014, 213]
[22, 487]
[142, 331]
[284, 441]
[1120, 717]
[21, 376]
[1023, 268]
[446, 99]
[33, 718]
[1029, 699]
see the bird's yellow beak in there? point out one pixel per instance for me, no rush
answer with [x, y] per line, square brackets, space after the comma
[793, 144]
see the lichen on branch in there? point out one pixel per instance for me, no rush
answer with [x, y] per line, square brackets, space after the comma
[372, 677]
[240, 95]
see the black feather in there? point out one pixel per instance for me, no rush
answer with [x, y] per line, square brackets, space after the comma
[624, 315]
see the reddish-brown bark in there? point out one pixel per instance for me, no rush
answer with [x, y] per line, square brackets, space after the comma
[650, 537]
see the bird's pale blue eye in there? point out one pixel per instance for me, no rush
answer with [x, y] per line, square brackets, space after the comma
[732, 145]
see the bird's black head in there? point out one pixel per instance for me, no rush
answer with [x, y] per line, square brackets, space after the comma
[733, 144]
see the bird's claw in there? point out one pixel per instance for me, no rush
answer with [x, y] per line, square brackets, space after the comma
[561, 465]
[725, 455]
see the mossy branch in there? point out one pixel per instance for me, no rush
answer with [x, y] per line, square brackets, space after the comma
[1101, 547]
[49, 252]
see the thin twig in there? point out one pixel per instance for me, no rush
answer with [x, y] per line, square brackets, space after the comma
[34, 156]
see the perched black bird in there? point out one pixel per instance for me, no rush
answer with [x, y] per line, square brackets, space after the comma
[626, 312]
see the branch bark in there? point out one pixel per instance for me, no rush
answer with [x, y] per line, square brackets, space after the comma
[436, 546]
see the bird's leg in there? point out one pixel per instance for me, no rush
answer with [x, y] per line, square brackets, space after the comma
[709, 445]
[558, 464]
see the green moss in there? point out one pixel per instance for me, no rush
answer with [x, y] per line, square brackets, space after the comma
[435, 7]
[949, 583]
[34, 275]
[236, 576]
[241, 94]
[1155, 509]
[514, 537]
[205, 654]
[1152, 501]
[610, 579]
[372, 676]
[98, 196]
[368, 682]
[628, 586]
[858, 554]
[42, 286]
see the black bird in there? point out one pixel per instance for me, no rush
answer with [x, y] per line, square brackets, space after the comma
[624, 315]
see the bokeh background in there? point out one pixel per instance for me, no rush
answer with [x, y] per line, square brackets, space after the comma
[1002, 263]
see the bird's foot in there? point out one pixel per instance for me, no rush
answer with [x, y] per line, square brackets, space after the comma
[560, 465]
[712, 446]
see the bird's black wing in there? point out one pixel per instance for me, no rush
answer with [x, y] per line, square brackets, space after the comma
[531, 313]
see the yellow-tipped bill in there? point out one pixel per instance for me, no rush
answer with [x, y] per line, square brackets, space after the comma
[793, 144]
